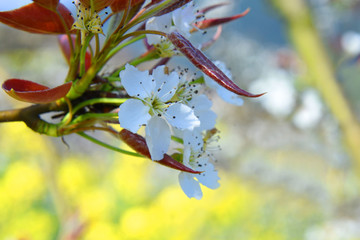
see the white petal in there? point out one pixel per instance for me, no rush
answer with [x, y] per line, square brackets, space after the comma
[157, 137]
[166, 85]
[209, 177]
[207, 119]
[190, 186]
[193, 139]
[181, 116]
[183, 17]
[137, 83]
[160, 23]
[133, 114]
[229, 97]
[201, 106]
[200, 102]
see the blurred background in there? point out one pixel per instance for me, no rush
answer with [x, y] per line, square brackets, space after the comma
[290, 160]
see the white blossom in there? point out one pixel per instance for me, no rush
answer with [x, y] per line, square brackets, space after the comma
[180, 20]
[196, 157]
[152, 107]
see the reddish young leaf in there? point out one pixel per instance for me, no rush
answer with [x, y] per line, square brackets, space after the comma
[49, 4]
[32, 92]
[138, 143]
[207, 23]
[216, 36]
[206, 65]
[65, 47]
[35, 18]
[211, 7]
[119, 5]
[98, 4]
[172, 7]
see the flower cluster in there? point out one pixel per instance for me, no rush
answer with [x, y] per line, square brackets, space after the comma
[164, 114]
[169, 104]
[159, 103]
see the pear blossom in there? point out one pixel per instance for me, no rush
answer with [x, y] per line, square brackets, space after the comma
[201, 105]
[225, 94]
[180, 20]
[189, 93]
[152, 107]
[196, 157]
[183, 19]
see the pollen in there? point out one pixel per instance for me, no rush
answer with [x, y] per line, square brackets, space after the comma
[88, 21]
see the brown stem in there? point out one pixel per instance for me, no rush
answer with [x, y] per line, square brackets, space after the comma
[30, 116]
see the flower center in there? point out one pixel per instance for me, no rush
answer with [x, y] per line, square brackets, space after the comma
[157, 107]
[88, 21]
[166, 49]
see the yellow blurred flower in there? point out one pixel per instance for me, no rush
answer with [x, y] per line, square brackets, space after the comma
[23, 182]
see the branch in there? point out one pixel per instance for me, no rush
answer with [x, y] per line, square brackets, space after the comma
[307, 42]
[31, 117]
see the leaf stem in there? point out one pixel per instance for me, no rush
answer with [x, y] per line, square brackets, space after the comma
[105, 145]
[113, 101]
[83, 54]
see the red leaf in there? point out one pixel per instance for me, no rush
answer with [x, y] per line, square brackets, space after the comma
[211, 7]
[65, 47]
[206, 65]
[98, 4]
[173, 7]
[35, 18]
[138, 143]
[119, 5]
[49, 4]
[32, 92]
[216, 36]
[217, 21]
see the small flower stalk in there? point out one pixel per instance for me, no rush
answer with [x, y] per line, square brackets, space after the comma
[163, 113]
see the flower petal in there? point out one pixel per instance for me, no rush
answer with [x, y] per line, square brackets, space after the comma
[166, 85]
[207, 119]
[181, 116]
[137, 83]
[183, 17]
[200, 102]
[133, 114]
[157, 137]
[160, 23]
[193, 140]
[190, 186]
[201, 106]
[209, 176]
[230, 97]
